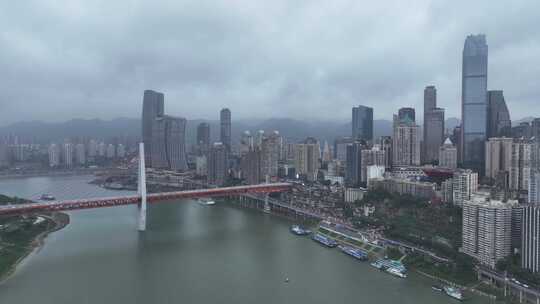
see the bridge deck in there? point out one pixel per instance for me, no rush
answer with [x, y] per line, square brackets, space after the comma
[135, 199]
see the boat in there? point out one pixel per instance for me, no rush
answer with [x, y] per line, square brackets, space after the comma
[356, 253]
[47, 197]
[328, 242]
[206, 202]
[396, 272]
[384, 264]
[453, 292]
[436, 288]
[299, 230]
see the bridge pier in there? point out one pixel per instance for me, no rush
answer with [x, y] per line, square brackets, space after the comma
[141, 187]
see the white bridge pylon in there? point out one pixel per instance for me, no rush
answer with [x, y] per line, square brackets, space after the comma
[141, 189]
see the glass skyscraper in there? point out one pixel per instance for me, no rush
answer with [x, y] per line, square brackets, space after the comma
[362, 123]
[153, 107]
[474, 102]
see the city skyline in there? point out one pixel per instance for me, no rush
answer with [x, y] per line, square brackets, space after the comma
[109, 78]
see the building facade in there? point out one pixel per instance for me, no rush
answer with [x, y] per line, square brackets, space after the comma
[499, 123]
[362, 123]
[218, 165]
[433, 126]
[464, 184]
[225, 128]
[448, 155]
[406, 143]
[203, 138]
[474, 102]
[306, 159]
[153, 107]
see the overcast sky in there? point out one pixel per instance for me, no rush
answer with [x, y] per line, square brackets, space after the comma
[281, 58]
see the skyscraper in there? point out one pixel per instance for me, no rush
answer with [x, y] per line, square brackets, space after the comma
[203, 138]
[407, 114]
[168, 143]
[474, 101]
[362, 123]
[153, 107]
[464, 184]
[520, 164]
[67, 153]
[353, 171]
[225, 130]
[306, 160]
[270, 149]
[530, 244]
[406, 144]
[433, 126]
[251, 166]
[498, 160]
[218, 164]
[340, 147]
[448, 155]
[499, 123]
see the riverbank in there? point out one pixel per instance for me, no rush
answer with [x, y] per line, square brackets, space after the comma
[18, 239]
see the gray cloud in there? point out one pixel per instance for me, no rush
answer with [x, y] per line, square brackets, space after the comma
[302, 59]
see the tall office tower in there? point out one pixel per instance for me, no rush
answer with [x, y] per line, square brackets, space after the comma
[67, 154]
[54, 156]
[433, 126]
[168, 143]
[406, 144]
[306, 160]
[474, 102]
[353, 170]
[362, 123]
[464, 184]
[371, 157]
[530, 240]
[218, 164]
[520, 164]
[448, 155]
[80, 154]
[498, 123]
[487, 229]
[326, 154]
[246, 143]
[498, 160]
[153, 107]
[386, 146]
[271, 147]
[225, 131]
[251, 166]
[407, 114]
[203, 138]
[259, 136]
[340, 148]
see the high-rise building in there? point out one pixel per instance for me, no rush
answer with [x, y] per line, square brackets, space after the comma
[120, 151]
[498, 158]
[523, 130]
[203, 138]
[408, 114]
[370, 157]
[474, 102]
[201, 168]
[456, 139]
[67, 154]
[270, 150]
[534, 188]
[487, 229]
[498, 123]
[520, 164]
[111, 151]
[406, 143]
[535, 129]
[362, 123]
[340, 148]
[80, 154]
[326, 154]
[448, 155]
[218, 164]
[530, 240]
[353, 171]
[433, 126]
[54, 156]
[225, 128]
[246, 143]
[306, 159]
[464, 184]
[168, 142]
[153, 107]
[386, 146]
[251, 166]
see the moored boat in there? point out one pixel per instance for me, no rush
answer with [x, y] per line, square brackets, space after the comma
[206, 202]
[453, 292]
[299, 230]
[396, 272]
[356, 253]
[328, 242]
[47, 197]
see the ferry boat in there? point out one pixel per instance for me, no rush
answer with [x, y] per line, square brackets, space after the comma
[453, 292]
[396, 272]
[298, 230]
[328, 242]
[356, 253]
[206, 202]
[47, 197]
[384, 264]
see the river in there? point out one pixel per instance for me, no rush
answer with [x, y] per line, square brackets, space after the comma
[190, 254]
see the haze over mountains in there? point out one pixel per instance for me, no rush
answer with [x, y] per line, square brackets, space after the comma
[45, 132]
